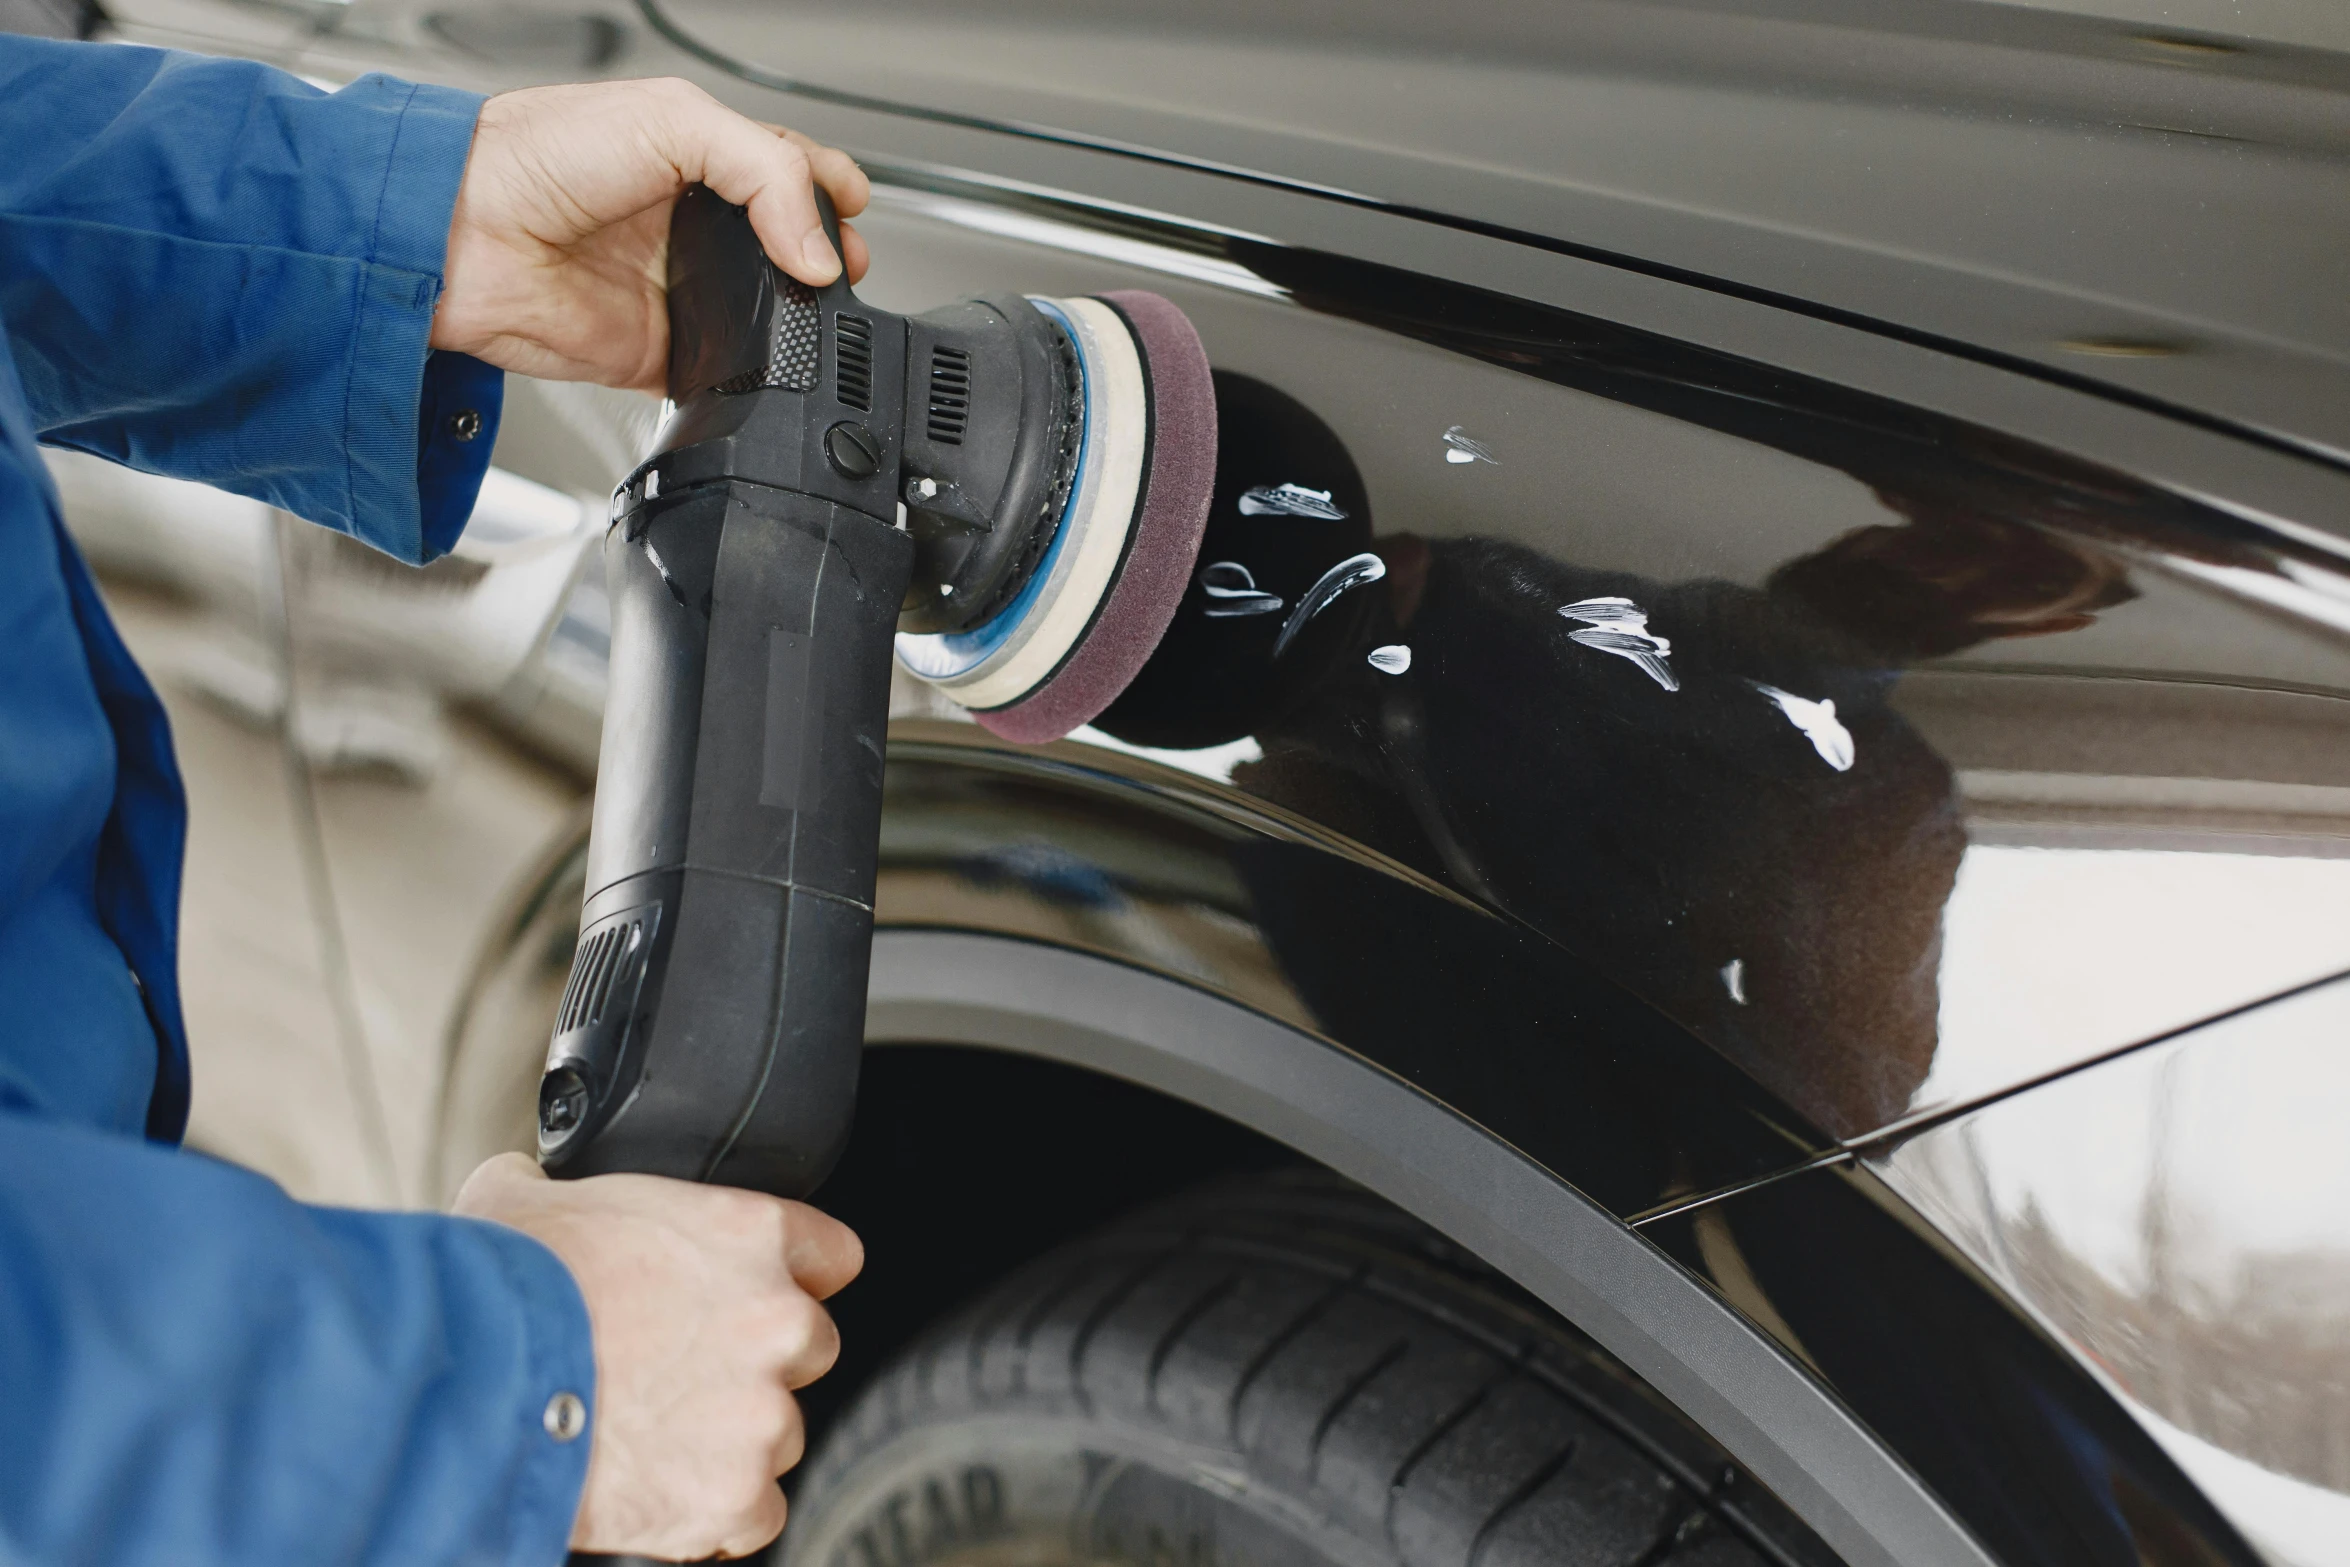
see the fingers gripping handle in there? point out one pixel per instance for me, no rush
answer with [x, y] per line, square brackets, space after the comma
[826, 214]
[711, 1025]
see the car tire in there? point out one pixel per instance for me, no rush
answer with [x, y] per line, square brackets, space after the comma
[1281, 1373]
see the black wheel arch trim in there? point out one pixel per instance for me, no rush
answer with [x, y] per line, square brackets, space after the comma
[958, 987]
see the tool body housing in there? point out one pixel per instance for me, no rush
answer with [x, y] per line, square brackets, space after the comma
[716, 1004]
[832, 475]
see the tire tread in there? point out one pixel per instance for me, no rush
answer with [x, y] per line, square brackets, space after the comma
[1360, 1361]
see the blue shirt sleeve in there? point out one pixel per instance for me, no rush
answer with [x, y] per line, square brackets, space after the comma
[213, 270]
[210, 270]
[200, 1372]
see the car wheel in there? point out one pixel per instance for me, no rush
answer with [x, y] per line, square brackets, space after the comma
[1282, 1373]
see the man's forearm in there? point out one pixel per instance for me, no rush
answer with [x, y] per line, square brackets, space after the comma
[271, 1383]
[214, 270]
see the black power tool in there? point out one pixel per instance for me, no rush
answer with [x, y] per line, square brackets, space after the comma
[1007, 492]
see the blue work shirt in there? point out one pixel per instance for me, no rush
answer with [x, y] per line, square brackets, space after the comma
[211, 270]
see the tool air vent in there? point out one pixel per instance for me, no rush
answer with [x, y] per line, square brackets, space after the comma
[950, 394]
[852, 371]
[593, 969]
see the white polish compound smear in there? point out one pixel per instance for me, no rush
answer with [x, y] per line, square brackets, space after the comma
[1232, 591]
[1619, 626]
[1392, 659]
[1819, 724]
[1461, 447]
[1350, 573]
[1290, 500]
[1734, 979]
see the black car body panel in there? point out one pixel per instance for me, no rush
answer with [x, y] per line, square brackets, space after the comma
[1541, 1049]
[1119, 886]
[2022, 653]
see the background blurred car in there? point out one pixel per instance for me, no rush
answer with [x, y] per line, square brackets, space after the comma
[1816, 870]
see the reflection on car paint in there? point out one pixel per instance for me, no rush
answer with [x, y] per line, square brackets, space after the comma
[2095, 794]
[1048, 870]
[1977, 1395]
[1461, 448]
[1393, 659]
[1232, 591]
[2175, 1216]
[1989, 619]
[1734, 979]
[1616, 625]
[1353, 572]
[1214, 763]
[1818, 722]
[1084, 847]
[1289, 500]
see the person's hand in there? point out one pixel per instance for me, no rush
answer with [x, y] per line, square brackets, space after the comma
[703, 1304]
[559, 248]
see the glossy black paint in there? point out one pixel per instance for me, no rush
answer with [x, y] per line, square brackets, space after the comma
[1483, 1015]
[1662, 840]
[2006, 1427]
[1653, 839]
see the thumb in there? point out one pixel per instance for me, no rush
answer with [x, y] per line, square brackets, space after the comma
[499, 1171]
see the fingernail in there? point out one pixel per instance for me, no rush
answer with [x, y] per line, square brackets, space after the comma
[817, 250]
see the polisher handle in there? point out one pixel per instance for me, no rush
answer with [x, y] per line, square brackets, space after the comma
[717, 1003]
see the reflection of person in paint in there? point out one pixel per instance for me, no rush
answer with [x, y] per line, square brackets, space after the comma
[1699, 844]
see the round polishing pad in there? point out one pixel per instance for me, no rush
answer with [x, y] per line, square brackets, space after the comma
[1109, 583]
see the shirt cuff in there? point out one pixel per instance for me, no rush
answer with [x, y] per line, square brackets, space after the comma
[558, 1397]
[407, 497]
[456, 427]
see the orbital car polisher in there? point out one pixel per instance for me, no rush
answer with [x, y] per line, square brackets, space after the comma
[1009, 492]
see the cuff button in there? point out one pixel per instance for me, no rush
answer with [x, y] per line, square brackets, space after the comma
[566, 1416]
[464, 424]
